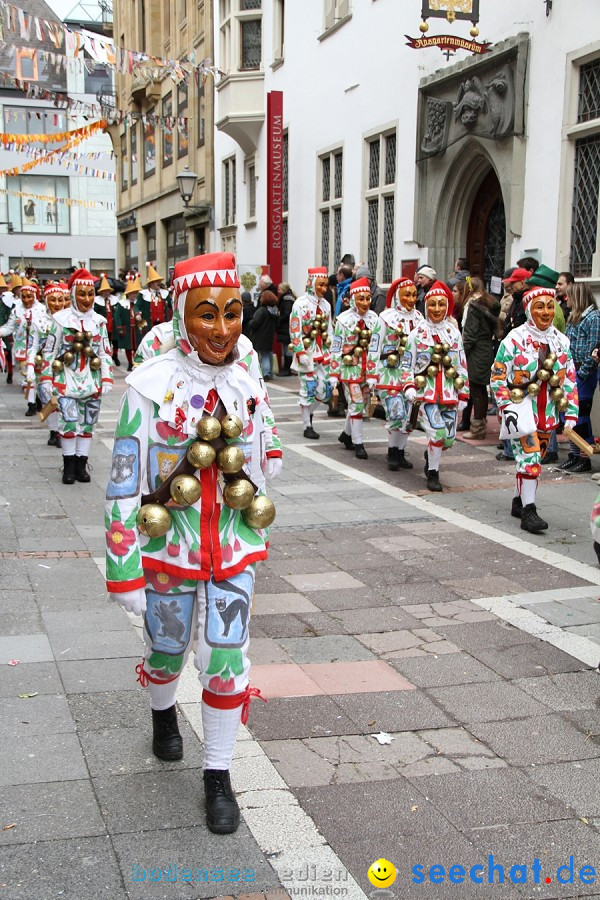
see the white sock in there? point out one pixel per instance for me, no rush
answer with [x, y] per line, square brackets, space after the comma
[402, 439]
[31, 395]
[82, 446]
[394, 438]
[517, 491]
[356, 426]
[220, 731]
[52, 421]
[435, 455]
[68, 446]
[305, 416]
[528, 489]
[162, 696]
[348, 426]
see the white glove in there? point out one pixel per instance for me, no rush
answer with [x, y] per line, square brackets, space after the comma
[274, 466]
[372, 383]
[334, 382]
[410, 394]
[30, 373]
[132, 601]
[106, 388]
[462, 404]
[302, 359]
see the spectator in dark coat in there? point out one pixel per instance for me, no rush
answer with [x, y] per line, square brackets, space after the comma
[262, 331]
[248, 310]
[286, 301]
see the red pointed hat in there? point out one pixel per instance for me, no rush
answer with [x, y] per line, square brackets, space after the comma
[208, 270]
[54, 287]
[528, 296]
[81, 276]
[316, 271]
[395, 286]
[360, 286]
[439, 289]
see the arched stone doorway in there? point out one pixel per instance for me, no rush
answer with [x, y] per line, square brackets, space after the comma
[486, 232]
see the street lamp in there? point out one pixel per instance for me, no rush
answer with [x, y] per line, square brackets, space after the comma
[187, 182]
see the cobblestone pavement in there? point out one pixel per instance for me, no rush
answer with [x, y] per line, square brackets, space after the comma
[429, 669]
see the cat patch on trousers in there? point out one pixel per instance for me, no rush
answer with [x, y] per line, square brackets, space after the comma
[228, 610]
[168, 621]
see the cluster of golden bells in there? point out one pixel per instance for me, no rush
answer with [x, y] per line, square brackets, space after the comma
[392, 360]
[364, 339]
[544, 373]
[319, 327]
[154, 519]
[82, 343]
[440, 354]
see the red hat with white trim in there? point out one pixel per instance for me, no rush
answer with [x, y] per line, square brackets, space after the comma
[360, 286]
[81, 276]
[395, 286]
[208, 270]
[528, 296]
[316, 272]
[55, 287]
[439, 289]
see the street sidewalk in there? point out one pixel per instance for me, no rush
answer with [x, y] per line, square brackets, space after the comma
[429, 669]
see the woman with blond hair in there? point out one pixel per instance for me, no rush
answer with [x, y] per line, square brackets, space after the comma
[583, 331]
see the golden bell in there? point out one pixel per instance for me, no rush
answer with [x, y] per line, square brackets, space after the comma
[548, 364]
[423, 27]
[432, 371]
[543, 374]
[517, 395]
[552, 357]
[437, 348]
[208, 428]
[327, 342]
[238, 494]
[557, 394]
[436, 358]
[474, 32]
[365, 333]
[291, 348]
[314, 333]
[57, 366]
[324, 326]
[154, 520]
[363, 343]
[78, 336]
[393, 361]
[230, 459]
[563, 404]
[88, 336]
[400, 330]
[347, 359]
[317, 321]
[459, 382]
[533, 389]
[446, 361]
[451, 373]
[95, 364]
[185, 490]
[445, 348]
[231, 426]
[420, 382]
[554, 381]
[357, 330]
[77, 346]
[201, 455]
[68, 357]
[307, 342]
[39, 359]
[88, 351]
[260, 513]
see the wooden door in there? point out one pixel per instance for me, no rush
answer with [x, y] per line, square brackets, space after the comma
[486, 235]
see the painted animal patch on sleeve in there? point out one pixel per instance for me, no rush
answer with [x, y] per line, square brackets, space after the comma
[125, 469]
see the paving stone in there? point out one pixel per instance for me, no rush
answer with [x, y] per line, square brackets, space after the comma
[486, 702]
[354, 598]
[279, 626]
[112, 709]
[536, 740]
[197, 849]
[284, 680]
[325, 649]
[299, 717]
[492, 798]
[560, 692]
[27, 678]
[392, 711]
[281, 604]
[484, 635]
[425, 590]
[134, 752]
[84, 676]
[563, 614]
[324, 581]
[77, 868]
[298, 764]
[20, 614]
[483, 586]
[48, 757]
[576, 784]
[152, 800]
[401, 541]
[320, 623]
[592, 632]
[41, 812]
[108, 617]
[21, 717]
[374, 619]
[453, 668]
[357, 677]
[95, 644]
[266, 650]
[27, 648]
[537, 658]
[455, 742]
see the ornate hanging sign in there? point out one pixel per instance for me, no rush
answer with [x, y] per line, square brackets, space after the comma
[448, 43]
[451, 10]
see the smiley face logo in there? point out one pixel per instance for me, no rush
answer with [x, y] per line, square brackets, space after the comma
[382, 873]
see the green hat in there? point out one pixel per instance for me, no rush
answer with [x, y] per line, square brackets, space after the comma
[543, 277]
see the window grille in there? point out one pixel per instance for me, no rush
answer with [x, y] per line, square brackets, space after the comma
[584, 217]
[589, 91]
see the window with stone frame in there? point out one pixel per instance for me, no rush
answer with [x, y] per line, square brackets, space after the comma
[586, 178]
[240, 35]
[183, 142]
[380, 201]
[335, 11]
[229, 191]
[124, 163]
[329, 213]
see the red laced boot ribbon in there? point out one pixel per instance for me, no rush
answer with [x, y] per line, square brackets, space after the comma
[231, 701]
[144, 678]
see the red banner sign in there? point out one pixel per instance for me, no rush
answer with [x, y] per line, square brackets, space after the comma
[446, 42]
[39, 245]
[275, 185]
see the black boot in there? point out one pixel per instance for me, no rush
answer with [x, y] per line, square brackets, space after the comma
[404, 462]
[81, 472]
[516, 509]
[346, 440]
[9, 378]
[393, 459]
[54, 440]
[310, 432]
[433, 481]
[31, 410]
[116, 360]
[68, 470]
[222, 811]
[360, 452]
[583, 464]
[167, 743]
[530, 521]
[38, 404]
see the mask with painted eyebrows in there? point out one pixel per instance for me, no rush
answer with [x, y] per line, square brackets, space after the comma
[213, 321]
